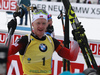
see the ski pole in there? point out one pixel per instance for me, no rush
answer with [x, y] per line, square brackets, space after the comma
[28, 9]
[83, 41]
[61, 16]
[66, 42]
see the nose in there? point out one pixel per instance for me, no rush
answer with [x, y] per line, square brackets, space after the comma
[41, 25]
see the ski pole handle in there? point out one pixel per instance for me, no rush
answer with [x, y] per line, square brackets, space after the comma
[11, 28]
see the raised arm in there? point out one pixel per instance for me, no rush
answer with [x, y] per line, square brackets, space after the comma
[70, 54]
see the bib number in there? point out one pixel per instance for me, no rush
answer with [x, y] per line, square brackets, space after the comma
[43, 61]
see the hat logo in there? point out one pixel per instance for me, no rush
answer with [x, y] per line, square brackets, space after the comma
[41, 15]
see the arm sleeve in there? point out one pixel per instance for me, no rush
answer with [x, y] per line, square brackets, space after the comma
[19, 44]
[70, 54]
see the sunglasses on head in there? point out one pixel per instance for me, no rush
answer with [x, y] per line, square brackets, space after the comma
[38, 11]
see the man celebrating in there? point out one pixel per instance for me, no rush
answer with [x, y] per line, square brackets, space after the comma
[36, 49]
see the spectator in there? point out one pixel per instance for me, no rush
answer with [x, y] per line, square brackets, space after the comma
[89, 2]
[78, 1]
[17, 7]
[98, 1]
[26, 3]
[48, 0]
[58, 0]
[50, 28]
[84, 1]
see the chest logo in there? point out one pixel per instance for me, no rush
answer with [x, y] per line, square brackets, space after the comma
[43, 47]
[29, 59]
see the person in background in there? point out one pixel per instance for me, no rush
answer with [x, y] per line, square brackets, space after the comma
[98, 1]
[50, 28]
[87, 1]
[78, 1]
[58, 0]
[48, 0]
[21, 3]
[84, 1]
[36, 50]
[17, 6]
[68, 73]
[87, 71]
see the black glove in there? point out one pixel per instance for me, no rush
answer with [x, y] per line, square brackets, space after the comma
[77, 33]
[50, 29]
[20, 13]
[12, 24]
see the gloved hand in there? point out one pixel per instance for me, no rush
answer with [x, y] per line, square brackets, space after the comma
[77, 33]
[12, 24]
[50, 29]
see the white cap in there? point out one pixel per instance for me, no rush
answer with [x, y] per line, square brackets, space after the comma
[40, 15]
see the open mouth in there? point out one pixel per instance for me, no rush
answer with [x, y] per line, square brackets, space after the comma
[40, 30]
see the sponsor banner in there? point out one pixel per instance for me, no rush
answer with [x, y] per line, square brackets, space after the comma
[81, 10]
[8, 5]
[87, 10]
[52, 7]
[14, 66]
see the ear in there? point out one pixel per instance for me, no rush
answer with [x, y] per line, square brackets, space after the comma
[32, 24]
